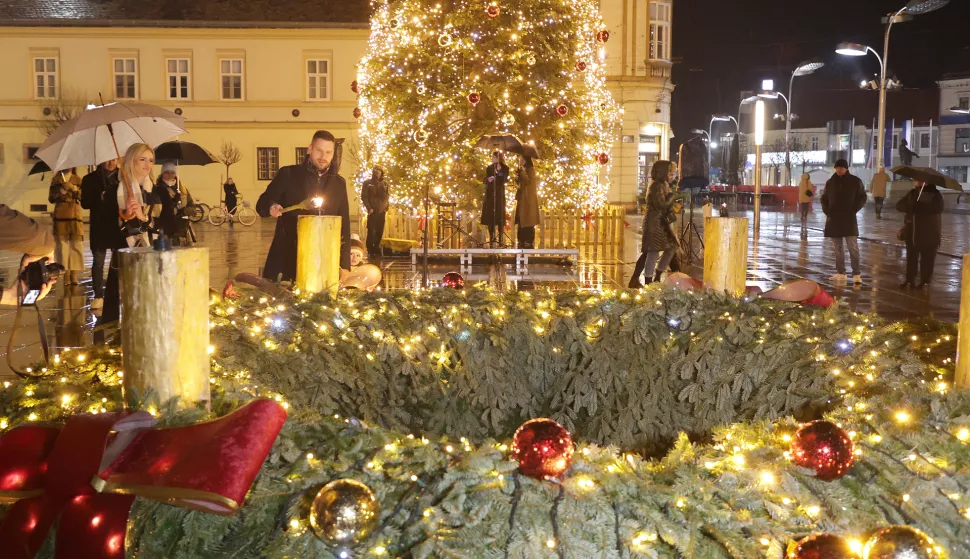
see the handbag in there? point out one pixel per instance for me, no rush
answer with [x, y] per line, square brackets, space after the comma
[906, 231]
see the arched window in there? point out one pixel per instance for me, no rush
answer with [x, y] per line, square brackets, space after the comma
[660, 39]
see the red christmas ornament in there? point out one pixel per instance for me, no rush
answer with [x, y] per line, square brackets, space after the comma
[354, 87]
[821, 546]
[824, 447]
[603, 36]
[493, 11]
[603, 158]
[543, 448]
[580, 65]
[453, 280]
[357, 112]
[57, 474]
[474, 98]
[229, 292]
[561, 110]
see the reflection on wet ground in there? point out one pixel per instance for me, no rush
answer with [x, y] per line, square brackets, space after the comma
[783, 252]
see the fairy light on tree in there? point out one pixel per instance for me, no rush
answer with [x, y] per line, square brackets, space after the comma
[438, 76]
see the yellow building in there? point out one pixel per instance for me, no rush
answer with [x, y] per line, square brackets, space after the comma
[239, 74]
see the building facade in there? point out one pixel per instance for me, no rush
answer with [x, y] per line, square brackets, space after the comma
[954, 149]
[264, 86]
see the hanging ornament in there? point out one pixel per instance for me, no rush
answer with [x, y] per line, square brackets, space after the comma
[580, 65]
[444, 39]
[561, 110]
[354, 86]
[603, 35]
[603, 158]
[824, 447]
[344, 512]
[821, 546]
[421, 89]
[530, 59]
[421, 136]
[508, 119]
[453, 280]
[603, 106]
[357, 112]
[543, 448]
[900, 542]
[558, 173]
[493, 11]
[395, 23]
[474, 98]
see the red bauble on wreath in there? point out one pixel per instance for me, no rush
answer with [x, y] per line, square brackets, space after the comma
[824, 447]
[543, 448]
[603, 158]
[354, 86]
[493, 11]
[603, 36]
[580, 65]
[453, 280]
[357, 112]
[474, 98]
[561, 110]
[821, 546]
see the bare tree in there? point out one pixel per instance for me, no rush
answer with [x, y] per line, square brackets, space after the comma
[69, 104]
[229, 155]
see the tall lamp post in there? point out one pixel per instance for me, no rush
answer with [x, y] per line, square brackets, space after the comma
[803, 69]
[710, 136]
[759, 140]
[913, 7]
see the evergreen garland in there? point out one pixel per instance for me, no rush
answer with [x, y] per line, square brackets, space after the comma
[730, 372]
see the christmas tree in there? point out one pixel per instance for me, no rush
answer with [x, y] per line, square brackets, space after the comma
[438, 76]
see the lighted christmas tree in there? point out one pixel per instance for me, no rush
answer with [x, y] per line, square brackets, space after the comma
[438, 76]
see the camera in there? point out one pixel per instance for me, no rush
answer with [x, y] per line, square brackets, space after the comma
[35, 275]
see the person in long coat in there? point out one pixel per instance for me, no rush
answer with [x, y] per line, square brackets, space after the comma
[527, 203]
[377, 200]
[493, 206]
[658, 242]
[65, 194]
[105, 232]
[171, 197]
[806, 193]
[880, 181]
[842, 199]
[293, 185]
[923, 206]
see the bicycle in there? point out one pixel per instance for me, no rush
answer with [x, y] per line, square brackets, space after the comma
[198, 211]
[242, 211]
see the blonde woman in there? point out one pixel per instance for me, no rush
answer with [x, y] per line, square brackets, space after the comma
[65, 194]
[137, 166]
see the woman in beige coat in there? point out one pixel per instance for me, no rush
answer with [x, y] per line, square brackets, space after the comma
[527, 203]
[65, 194]
[806, 192]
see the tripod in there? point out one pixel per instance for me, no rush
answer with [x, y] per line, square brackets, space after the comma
[689, 232]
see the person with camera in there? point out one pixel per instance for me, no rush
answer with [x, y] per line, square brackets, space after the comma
[19, 233]
[658, 242]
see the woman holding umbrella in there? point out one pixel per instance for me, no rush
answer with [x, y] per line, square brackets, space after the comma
[921, 231]
[493, 208]
[65, 194]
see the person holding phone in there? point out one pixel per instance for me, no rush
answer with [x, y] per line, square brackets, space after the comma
[19, 233]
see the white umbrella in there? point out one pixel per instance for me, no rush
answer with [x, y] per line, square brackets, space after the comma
[106, 132]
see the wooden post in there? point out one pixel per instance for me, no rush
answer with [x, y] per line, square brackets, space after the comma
[962, 373]
[318, 253]
[165, 323]
[725, 253]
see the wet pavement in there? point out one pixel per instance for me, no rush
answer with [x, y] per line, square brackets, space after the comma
[783, 252]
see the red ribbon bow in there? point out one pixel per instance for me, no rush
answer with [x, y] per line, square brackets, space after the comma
[88, 473]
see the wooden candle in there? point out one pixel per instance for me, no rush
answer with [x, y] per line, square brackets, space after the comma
[318, 254]
[725, 253]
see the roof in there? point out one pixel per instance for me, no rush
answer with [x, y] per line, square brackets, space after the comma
[185, 13]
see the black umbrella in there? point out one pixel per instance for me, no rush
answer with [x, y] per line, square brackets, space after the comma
[508, 143]
[184, 153]
[928, 175]
[38, 168]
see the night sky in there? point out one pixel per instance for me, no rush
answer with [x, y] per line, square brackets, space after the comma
[724, 47]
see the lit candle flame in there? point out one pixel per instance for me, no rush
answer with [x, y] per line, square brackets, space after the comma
[317, 202]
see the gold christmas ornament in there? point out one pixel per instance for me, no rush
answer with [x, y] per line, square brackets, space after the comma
[344, 512]
[421, 89]
[421, 136]
[508, 119]
[530, 59]
[444, 39]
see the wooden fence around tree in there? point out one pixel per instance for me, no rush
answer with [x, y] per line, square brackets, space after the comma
[597, 234]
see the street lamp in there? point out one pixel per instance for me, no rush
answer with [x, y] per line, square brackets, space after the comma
[913, 7]
[759, 140]
[803, 69]
[711, 144]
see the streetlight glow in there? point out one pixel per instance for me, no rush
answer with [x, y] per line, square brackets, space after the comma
[918, 7]
[808, 67]
[852, 49]
[768, 85]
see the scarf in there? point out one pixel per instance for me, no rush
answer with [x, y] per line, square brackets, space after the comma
[136, 189]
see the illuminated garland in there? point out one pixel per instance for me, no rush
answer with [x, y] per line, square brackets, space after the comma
[439, 76]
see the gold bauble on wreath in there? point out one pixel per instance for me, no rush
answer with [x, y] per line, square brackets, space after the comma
[344, 512]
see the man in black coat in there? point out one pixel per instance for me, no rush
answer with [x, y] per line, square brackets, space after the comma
[295, 184]
[842, 199]
[376, 198]
[105, 232]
